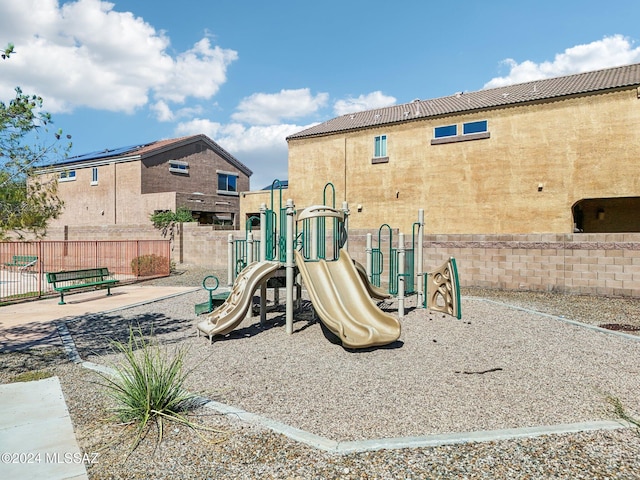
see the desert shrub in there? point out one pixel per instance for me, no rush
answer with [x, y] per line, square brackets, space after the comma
[148, 265]
[148, 386]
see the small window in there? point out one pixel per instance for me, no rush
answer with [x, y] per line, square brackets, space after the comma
[380, 146]
[178, 166]
[470, 131]
[227, 183]
[474, 127]
[94, 176]
[67, 176]
[445, 131]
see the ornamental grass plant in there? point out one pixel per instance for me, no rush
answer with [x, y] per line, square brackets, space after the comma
[620, 412]
[148, 387]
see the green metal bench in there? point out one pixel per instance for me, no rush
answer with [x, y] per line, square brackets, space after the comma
[65, 281]
[22, 262]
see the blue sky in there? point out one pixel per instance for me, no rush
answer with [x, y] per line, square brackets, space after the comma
[249, 73]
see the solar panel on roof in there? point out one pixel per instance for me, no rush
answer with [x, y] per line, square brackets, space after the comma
[101, 154]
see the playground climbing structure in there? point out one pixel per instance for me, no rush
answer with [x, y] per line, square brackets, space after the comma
[314, 244]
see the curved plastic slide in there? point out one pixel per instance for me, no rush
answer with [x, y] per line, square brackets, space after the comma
[234, 309]
[342, 302]
[376, 293]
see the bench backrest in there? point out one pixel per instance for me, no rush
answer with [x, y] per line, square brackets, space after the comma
[25, 258]
[71, 275]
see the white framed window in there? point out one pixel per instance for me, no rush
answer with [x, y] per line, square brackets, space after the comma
[94, 176]
[445, 131]
[178, 166]
[477, 130]
[379, 150]
[380, 146]
[474, 127]
[67, 176]
[227, 183]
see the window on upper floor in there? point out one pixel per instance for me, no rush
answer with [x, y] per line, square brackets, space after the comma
[380, 146]
[477, 130]
[94, 176]
[178, 166]
[474, 127]
[228, 183]
[380, 149]
[67, 176]
[445, 131]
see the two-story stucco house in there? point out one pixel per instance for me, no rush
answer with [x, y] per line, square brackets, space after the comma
[125, 185]
[558, 155]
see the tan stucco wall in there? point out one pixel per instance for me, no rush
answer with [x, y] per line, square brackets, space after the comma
[575, 148]
[117, 190]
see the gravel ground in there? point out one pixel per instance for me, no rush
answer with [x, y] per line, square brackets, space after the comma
[498, 367]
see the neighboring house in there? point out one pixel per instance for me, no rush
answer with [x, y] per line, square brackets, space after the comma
[126, 185]
[558, 155]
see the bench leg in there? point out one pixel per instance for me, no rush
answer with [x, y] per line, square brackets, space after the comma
[108, 291]
[61, 302]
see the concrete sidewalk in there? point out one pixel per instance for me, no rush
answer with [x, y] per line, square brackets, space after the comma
[29, 324]
[36, 433]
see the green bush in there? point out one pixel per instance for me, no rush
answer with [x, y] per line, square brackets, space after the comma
[148, 265]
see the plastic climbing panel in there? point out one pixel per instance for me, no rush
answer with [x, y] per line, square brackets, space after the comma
[443, 289]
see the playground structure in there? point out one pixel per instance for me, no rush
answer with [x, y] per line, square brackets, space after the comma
[314, 244]
[437, 290]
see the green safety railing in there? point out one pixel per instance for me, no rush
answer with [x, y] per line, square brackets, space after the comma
[270, 220]
[339, 234]
[377, 260]
[275, 248]
[241, 254]
[378, 257]
[377, 266]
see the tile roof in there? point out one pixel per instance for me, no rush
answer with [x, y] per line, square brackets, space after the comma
[537, 90]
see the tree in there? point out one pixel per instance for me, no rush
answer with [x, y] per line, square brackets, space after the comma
[27, 202]
[167, 221]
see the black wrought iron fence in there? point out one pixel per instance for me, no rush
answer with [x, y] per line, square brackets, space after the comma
[23, 265]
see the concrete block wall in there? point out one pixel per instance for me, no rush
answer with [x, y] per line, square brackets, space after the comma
[597, 264]
[594, 264]
[202, 245]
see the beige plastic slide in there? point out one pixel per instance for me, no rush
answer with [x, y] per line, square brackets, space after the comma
[229, 315]
[342, 302]
[376, 293]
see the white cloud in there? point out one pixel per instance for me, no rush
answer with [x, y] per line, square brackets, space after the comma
[609, 52]
[271, 108]
[162, 111]
[84, 53]
[197, 73]
[236, 137]
[364, 102]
